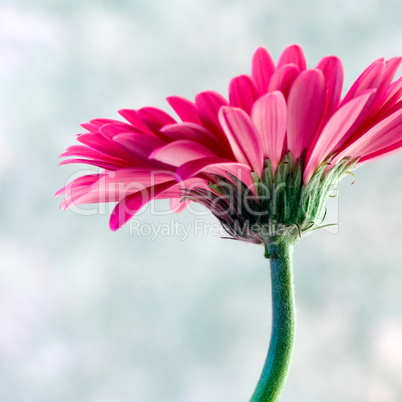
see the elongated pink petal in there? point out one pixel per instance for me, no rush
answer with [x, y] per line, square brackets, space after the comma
[243, 137]
[293, 54]
[262, 68]
[193, 132]
[305, 108]
[384, 134]
[139, 145]
[332, 69]
[94, 125]
[154, 118]
[208, 104]
[269, 114]
[177, 205]
[381, 153]
[74, 197]
[114, 186]
[129, 206]
[369, 78]
[180, 189]
[102, 144]
[184, 108]
[130, 180]
[132, 117]
[178, 152]
[391, 96]
[283, 78]
[78, 188]
[86, 152]
[390, 69]
[93, 162]
[242, 92]
[109, 130]
[333, 133]
[83, 181]
[220, 167]
[192, 168]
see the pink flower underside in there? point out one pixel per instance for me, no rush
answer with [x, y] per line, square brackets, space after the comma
[265, 116]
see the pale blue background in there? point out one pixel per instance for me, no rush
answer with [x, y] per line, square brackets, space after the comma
[95, 316]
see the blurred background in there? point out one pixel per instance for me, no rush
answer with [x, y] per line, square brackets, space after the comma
[95, 316]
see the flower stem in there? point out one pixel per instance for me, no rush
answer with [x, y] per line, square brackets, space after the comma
[279, 356]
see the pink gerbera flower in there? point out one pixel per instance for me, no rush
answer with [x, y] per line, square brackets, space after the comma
[281, 122]
[263, 160]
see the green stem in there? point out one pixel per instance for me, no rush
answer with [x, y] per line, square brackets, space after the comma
[279, 356]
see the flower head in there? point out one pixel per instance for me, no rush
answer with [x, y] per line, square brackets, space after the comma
[263, 161]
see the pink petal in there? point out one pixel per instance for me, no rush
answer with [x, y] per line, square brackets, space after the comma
[381, 153]
[83, 181]
[72, 198]
[332, 69]
[293, 55]
[132, 117]
[130, 180]
[262, 68]
[178, 190]
[116, 185]
[384, 134]
[369, 78]
[94, 125]
[78, 188]
[102, 144]
[154, 118]
[269, 114]
[283, 78]
[193, 132]
[242, 92]
[184, 108]
[86, 152]
[391, 96]
[243, 137]
[109, 130]
[139, 145]
[93, 162]
[177, 205]
[178, 152]
[194, 167]
[208, 104]
[391, 67]
[305, 108]
[220, 167]
[333, 133]
[129, 206]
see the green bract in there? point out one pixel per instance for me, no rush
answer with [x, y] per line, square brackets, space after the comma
[280, 207]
